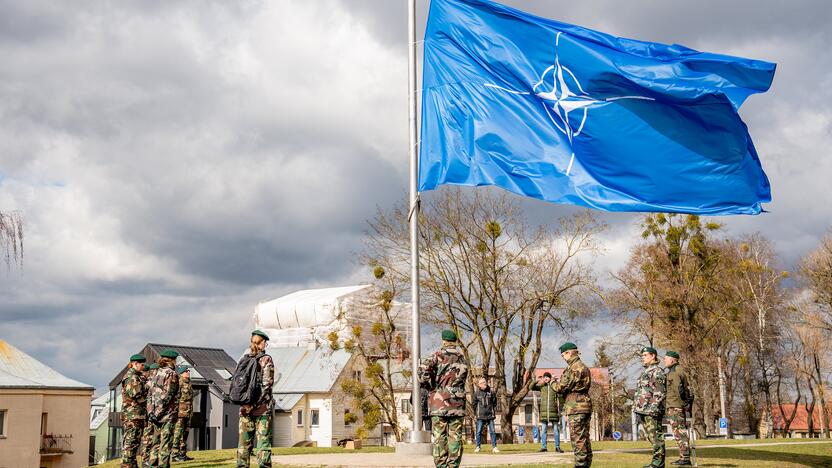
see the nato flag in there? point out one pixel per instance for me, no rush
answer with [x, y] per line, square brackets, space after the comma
[566, 114]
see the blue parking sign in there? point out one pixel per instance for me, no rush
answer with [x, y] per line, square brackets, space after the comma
[616, 435]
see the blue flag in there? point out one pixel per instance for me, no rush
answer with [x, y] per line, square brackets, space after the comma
[570, 115]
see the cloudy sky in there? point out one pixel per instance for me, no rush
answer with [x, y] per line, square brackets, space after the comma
[177, 162]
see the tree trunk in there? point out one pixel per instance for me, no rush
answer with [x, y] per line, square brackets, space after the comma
[506, 426]
[707, 414]
[810, 409]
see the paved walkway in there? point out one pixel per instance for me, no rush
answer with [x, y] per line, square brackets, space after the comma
[374, 460]
[393, 460]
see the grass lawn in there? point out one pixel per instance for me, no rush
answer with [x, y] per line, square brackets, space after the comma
[724, 454]
[227, 458]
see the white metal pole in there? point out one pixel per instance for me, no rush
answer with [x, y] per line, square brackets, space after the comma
[416, 435]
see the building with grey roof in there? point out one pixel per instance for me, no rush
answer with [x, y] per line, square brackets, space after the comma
[44, 415]
[215, 421]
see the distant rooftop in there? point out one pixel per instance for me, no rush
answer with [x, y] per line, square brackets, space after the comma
[311, 315]
[19, 370]
[208, 365]
[305, 370]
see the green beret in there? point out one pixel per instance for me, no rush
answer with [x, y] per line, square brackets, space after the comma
[182, 369]
[261, 334]
[448, 335]
[672, 354]
[153, 366]
[169, 353]
[648, 349]
[137, 358]
[567, 346]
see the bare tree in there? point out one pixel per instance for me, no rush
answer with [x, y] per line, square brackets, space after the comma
[494, 280]
[11, 237]
[812, 363]
[780, 376]
[760, 299]
[816, 269]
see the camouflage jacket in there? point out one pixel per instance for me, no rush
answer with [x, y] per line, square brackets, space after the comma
[444, 373]
[551, 403]
[264, 404]
[134, 396]
[575, 383]
[186, 398]
[678, 391]
[163, 397]
[650, 392]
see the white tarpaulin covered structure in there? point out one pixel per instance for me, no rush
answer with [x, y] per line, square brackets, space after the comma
[309, 316]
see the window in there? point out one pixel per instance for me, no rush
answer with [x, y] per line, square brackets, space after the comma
[356, 375]
[3, 423]
[197, 401]
[528, 411]
[44, 417]
[348, 417]
[224, 373]
[406, 407]
[299, 417]
[315, 416]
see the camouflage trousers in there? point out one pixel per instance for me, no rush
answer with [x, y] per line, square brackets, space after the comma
[161, 443]
[259, 428]
[147, 438]
[132, 441]
[180, 436]
[447, 441]
[654, 431]
[579, 434]
[676, 418]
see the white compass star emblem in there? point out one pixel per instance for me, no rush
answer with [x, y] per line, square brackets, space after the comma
[553, 89]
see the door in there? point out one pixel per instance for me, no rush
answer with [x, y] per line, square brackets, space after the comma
[282, 429]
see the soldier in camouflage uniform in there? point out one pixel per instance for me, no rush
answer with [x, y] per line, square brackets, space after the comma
[443, 374]
[649, 403]
[147, 435]
[133, 410]
[574, 384]
[163, 403]
[678, 403]
[256, 420]
[186, 410]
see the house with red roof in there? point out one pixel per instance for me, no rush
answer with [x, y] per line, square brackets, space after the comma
[799, 426]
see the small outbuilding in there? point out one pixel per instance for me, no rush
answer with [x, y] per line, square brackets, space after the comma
[44, 415]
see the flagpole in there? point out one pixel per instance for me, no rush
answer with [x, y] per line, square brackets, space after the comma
[417, 435]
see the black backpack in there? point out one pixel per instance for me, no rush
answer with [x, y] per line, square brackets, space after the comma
[245, 383]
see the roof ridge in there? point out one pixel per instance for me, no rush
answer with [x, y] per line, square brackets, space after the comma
[185, 346]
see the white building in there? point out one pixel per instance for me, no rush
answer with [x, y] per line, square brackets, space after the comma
[310, 405]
